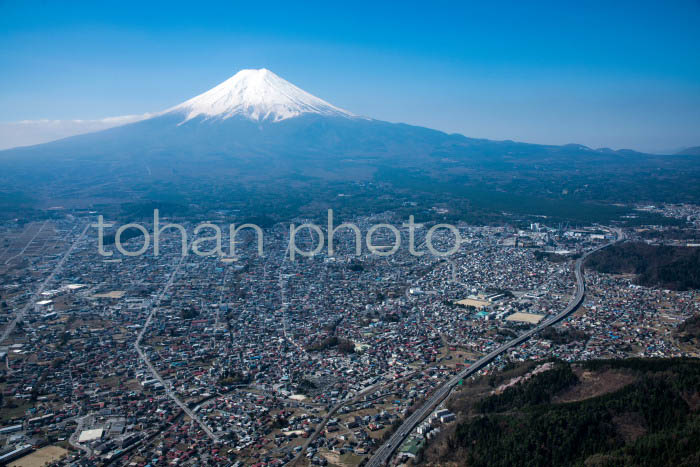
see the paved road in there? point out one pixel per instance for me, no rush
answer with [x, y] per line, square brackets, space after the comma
[383, 454]
[73, 440]
[349, 401]
[28, 243]
[168, 390]
[30, 303]
[319, 428]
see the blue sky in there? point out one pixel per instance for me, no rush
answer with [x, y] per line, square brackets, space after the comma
[620, 75]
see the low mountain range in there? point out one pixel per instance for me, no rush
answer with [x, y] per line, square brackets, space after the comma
[692, 151]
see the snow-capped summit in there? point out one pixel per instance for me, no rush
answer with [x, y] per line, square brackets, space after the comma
[257, 95]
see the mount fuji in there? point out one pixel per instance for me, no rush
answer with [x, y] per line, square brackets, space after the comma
[258, 130]
[255, 125]
[259, 95]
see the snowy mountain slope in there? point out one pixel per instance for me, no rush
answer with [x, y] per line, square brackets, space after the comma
[256, 95]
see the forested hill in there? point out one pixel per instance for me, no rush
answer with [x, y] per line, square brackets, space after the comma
[670, 267]
[600, 413]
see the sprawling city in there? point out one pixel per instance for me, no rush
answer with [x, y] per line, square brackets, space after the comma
[192, 360]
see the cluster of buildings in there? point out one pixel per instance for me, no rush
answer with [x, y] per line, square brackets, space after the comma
[260, 360]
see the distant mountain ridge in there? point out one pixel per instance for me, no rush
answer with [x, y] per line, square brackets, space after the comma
[692, 151]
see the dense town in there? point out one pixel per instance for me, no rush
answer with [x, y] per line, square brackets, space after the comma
[253, 359]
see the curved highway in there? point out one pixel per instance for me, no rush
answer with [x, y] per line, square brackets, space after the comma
[383, 454]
